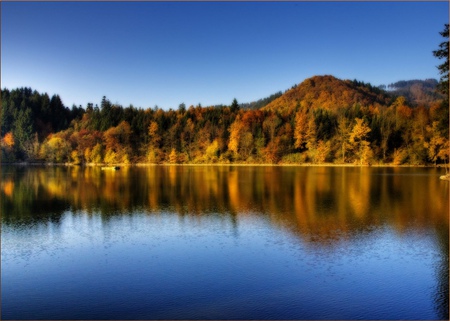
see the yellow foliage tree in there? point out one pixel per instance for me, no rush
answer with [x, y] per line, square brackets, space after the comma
[437, 145]
[55, 149]
[153, 156]
[301, 126]
[110, 157]
[87, 154]
[117, 143]
[358, 142]
[212, 151]
[311, 139]
[75, 157]
[399, 156]
[246, 144]
[173, 156]
[235, 135]
[322, 151]
[96, 154]
[344, 129]
[155, 138]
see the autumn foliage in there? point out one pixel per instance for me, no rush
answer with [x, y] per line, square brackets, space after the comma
[321, 120]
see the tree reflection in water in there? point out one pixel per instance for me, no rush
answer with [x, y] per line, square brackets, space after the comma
[321, 206]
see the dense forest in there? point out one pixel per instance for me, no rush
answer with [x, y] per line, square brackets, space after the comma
[321, 120]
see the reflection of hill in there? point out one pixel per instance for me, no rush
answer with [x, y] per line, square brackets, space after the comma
[324, 207]
[317, 201]
[327, 204]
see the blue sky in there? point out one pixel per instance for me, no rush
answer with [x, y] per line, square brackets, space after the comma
[166, 53]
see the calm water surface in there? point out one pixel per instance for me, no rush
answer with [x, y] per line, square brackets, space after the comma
[192, 242]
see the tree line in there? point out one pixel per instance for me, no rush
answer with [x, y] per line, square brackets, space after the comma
[38, 128]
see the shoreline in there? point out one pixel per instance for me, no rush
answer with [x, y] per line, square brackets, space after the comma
[220, 164]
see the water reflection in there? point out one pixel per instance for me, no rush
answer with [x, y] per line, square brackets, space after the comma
[323, 207]
[318, 200]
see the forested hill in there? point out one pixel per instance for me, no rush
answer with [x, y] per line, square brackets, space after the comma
[417, 92]
[323, 119]
[329, 93]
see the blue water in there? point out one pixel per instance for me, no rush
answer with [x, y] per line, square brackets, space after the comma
[172, 260]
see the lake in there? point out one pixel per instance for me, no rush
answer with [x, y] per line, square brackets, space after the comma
[224, 242]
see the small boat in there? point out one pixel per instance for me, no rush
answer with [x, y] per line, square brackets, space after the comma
[113, 168]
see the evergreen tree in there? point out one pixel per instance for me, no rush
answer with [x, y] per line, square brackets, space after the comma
[442, 53]
[6, 113]
[234, 106]
[23, 128]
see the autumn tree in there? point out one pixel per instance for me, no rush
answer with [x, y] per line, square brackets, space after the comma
[311, 139]
[322, 151]
[83, 142]
[241, 141]
[437, 145]
[235, 135]
[56, 149]
[153, 132]
[154, 152]
[246, 144]
[358, 142]
[173, 156]
[8, 140]
[301, 126]
[270, 125]
[7, 148]
[271, 152]
[117, 144]
[202, 141]
[344, 129]
[212, 152]
[97, 154]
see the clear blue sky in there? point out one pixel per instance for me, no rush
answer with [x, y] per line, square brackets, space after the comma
[166, 53]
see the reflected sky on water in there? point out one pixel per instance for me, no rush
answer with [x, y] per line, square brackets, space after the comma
[224, 242]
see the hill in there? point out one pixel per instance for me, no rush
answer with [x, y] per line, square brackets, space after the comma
[417, 92]
[330, 93]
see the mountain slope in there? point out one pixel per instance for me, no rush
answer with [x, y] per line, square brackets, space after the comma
[329, 92]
